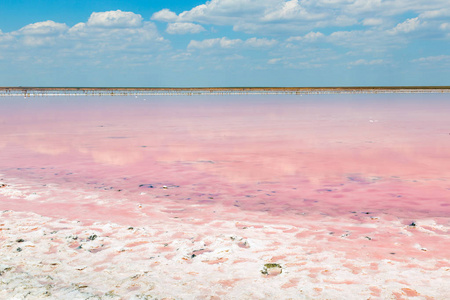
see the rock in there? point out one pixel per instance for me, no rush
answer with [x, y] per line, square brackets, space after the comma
[272, 269]
[244, 244]
[4, 269]
[150, 186]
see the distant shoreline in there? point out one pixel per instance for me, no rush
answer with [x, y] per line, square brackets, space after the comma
[120, 91]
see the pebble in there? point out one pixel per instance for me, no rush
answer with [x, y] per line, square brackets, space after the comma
[272, 269]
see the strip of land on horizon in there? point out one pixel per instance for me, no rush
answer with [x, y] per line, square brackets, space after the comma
[20, 90]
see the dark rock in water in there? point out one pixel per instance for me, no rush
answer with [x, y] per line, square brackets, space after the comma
[19, 249]
[149, 186]
[413, 224]
[20, 240]
[92, 237]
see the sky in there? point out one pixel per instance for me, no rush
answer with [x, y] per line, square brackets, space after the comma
[224, 43]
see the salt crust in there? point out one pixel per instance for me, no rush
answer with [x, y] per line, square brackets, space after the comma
[59, 258]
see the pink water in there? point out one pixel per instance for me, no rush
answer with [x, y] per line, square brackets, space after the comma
[326, 166]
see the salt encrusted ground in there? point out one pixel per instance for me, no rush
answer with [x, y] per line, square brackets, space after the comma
[322, 257]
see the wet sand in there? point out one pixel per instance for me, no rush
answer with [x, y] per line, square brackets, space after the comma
[190, 197]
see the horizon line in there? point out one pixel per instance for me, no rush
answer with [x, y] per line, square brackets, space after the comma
[242, 88]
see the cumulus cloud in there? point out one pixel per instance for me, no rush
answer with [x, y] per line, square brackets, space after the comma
[115, 19]
[407, 26]
[234, 57]
[273, 61]
[165, 15]
[435, 14]
[297, 17]
[372, 21]
[445, 26]
[260, 43]
[243, 15]
[43, 28]
[183, 28]
[364, 62]
[104, 38]
[124, 35]
[366, 40]
[217, 42]
[291, 10]
[288, 16]
[40, 33]
[231, 43]
[309, 37]
[433, 59]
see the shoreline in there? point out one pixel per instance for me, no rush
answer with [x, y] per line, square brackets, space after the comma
[172, 91]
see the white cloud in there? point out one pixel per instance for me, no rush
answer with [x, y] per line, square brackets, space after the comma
[5, 38]
[234, 57]
[181, 56]
[183, 28]
[84, 32]
[372, 21]
[363, 62]
[43, 28]
[115, 19]
[309, 37]
[260, 43]
[245, 15]
[231, 43]
[118, 39]
[165, 15]
[291, 10]
[445, 26]
[407, 26]
[435, 14]
[212, 43]
[433, 59]
[273, 61]
[366, 40]
[288, 17]
[39, 34]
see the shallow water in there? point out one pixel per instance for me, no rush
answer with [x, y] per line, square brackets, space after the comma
[309, 175]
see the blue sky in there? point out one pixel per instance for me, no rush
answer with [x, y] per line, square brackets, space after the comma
[224, 43]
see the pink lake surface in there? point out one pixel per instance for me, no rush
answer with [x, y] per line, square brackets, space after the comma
[350, 194]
